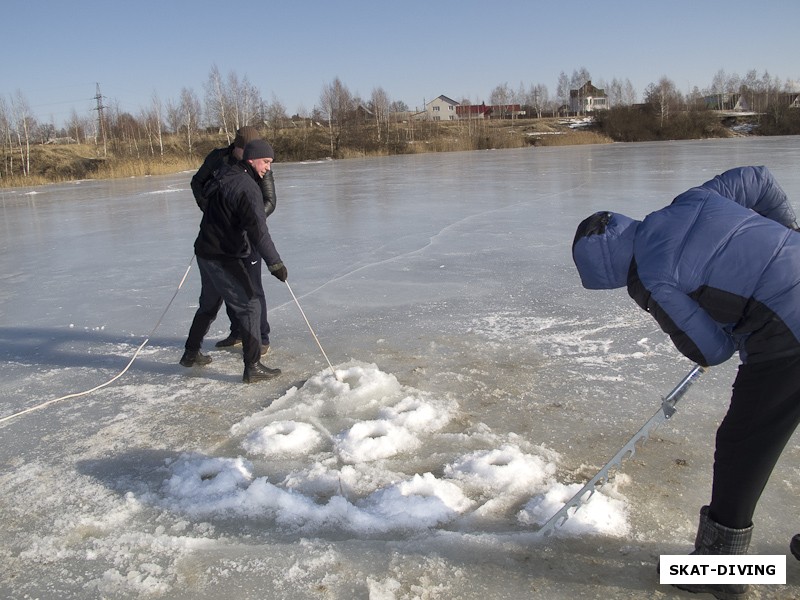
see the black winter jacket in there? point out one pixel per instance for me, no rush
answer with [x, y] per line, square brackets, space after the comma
[224, 156]
[234, 222]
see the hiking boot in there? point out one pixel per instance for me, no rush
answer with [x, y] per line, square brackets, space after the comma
[795, 546]
[713, 538]
[229, 341]
[258, 372]
[264, 349]
[194, 357]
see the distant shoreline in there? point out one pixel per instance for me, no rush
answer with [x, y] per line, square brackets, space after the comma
[70, 162]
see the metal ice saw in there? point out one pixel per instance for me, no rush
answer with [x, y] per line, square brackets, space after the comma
[665, 411]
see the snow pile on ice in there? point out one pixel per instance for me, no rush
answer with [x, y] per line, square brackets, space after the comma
[361, 453]
[606, 511]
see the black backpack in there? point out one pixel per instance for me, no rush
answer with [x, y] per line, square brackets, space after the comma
[211, 190]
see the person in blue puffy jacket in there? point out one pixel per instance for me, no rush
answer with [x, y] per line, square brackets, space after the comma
[719, 270]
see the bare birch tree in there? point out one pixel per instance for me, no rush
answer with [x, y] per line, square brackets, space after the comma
[538, 98]
[5, 126]
[629, 96]
[184, 117]
[275, 115]
[614, 93]
[327, 101]
[519, 97]
[501, 98]
[749, 88]
[234, 95]
[245, 101]
[217, 103]
[664, 97]
[75, 126]
[336, 103]
[379, 103]
[719, 87]
[173, 117]
[562, 90]
[770, 87]
[23, 124]
[156, 117]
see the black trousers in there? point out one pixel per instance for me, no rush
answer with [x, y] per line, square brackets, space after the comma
[230, 282]
[253, 267]
[764, 412]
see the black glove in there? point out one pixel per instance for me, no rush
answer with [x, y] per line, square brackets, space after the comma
[281, 273]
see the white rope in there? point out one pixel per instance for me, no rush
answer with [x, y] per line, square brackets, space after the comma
[316, 339]
[118, 375]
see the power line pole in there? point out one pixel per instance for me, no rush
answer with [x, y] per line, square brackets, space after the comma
[101, 118]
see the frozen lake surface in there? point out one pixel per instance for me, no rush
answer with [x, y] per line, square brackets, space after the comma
[478, 386]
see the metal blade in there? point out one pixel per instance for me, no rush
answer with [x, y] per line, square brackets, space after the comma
[665, 411]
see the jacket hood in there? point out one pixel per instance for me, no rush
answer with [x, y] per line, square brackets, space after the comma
[603, 250]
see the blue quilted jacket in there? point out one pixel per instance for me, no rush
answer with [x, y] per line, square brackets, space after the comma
[719, 268]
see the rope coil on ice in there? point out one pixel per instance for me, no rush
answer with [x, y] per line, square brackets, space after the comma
[118, 375]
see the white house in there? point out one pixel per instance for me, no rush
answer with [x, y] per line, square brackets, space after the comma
[587, 98]
[441, 109]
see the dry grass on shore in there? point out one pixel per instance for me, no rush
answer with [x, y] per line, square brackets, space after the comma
[60, 163]
[56, 164]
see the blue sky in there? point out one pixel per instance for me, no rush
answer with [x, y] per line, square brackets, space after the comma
[55, 52]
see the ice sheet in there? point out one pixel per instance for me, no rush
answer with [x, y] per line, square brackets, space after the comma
[479, 386]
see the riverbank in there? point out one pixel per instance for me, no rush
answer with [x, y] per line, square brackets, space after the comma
[134, 157]
[56, 163]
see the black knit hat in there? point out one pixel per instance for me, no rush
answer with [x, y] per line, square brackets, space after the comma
[258, 149]
[244, 135]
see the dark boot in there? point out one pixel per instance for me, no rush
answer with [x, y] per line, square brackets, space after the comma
[231, 340]
[713, 538]
[256, 372]
[795, 546]
[194, 357]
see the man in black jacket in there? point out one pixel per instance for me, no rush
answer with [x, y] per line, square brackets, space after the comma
[232, 230]
[231, 155]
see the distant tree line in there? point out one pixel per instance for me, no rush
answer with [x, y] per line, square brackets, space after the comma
[666, 113]
[352, 124]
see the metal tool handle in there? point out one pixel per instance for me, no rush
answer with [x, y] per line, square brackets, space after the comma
[666, 410]
[311, 329]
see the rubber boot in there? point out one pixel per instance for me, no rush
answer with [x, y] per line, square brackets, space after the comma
[713, 538]
[256, 372]
[194, 357]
